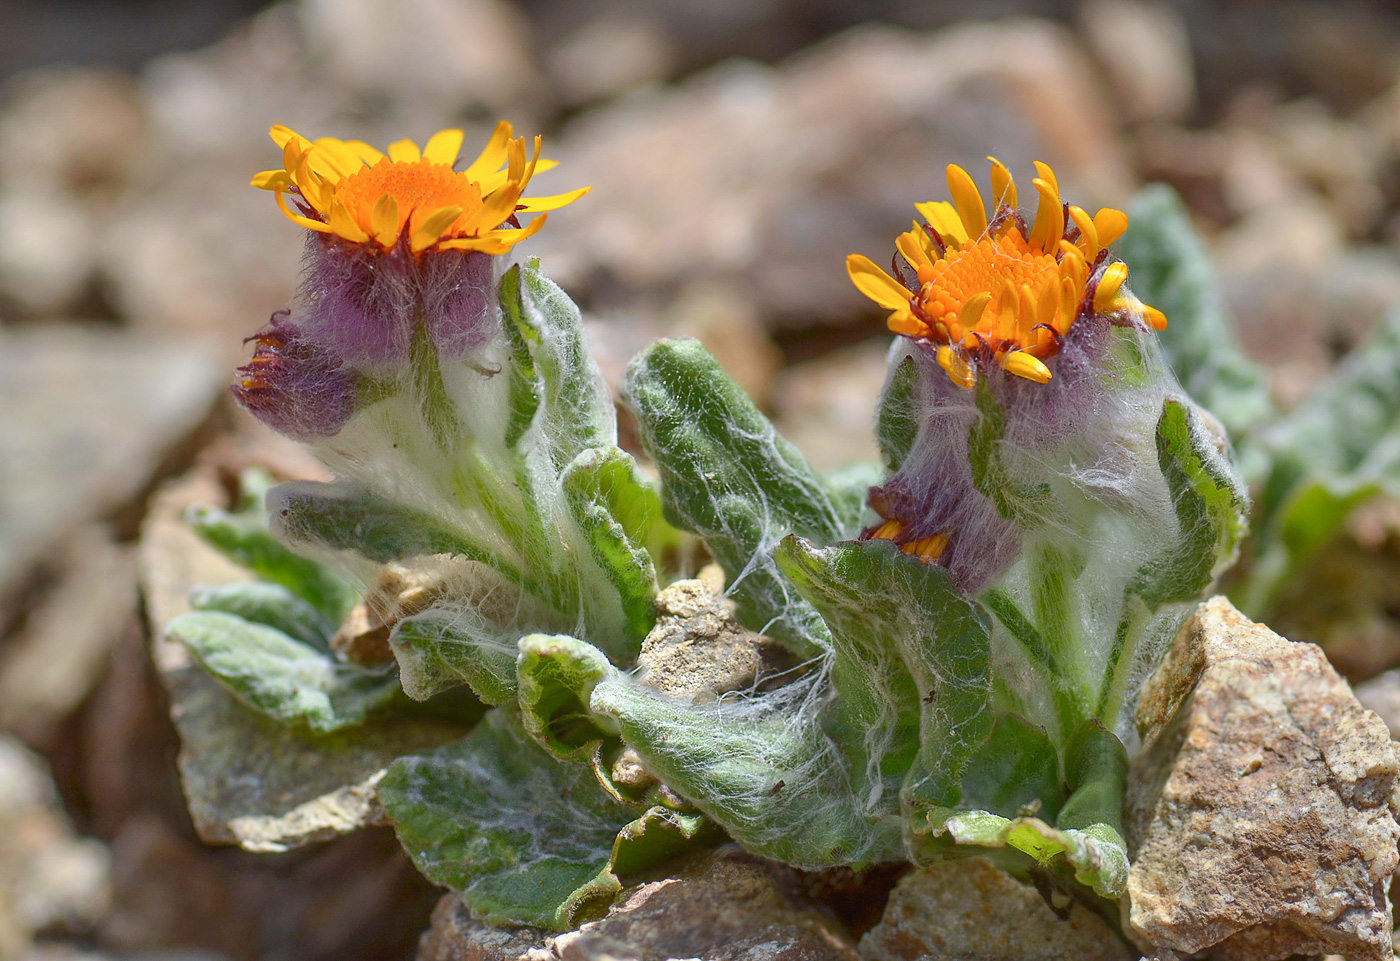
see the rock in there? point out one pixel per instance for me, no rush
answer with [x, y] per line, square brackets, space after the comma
[90, 418]
[49, 879]
[698, 650]
[450, 53]
[80, 129]
[609, 54]
[1261, 810]
[48, 250]
[766, 178]
[1145, 49]
[454, 935]
[50, 666]
[1382, 695]
[971, 909]
[249, 780]
[729, 906]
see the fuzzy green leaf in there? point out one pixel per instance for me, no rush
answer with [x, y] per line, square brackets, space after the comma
[1096, 768]
[1170, 268]
[730, 477]
[280, 676]
[1210, 509]
[1333, 452]
[245, 539]
[557, 675]
[1015, 770]
[615, 509]
[909, 665]
[1097, 854]
[442, 648]
[555, 383]
[347, 517]
[897, 418]
[263, 602]
[525, 838]
[770, 780]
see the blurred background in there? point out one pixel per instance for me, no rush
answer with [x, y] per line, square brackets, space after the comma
[737, 149]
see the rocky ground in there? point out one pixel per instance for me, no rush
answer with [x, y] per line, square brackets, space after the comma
[737, 152]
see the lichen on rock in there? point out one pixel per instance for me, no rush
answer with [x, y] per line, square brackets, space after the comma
[1261, 812]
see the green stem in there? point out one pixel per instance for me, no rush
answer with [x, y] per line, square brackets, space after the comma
[438, 410]
[1125, 642]
[1070, 705]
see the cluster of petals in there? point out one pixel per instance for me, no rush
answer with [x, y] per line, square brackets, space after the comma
[997, 291]
[411, 197]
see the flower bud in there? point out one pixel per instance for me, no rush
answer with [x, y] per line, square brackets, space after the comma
[294, 385]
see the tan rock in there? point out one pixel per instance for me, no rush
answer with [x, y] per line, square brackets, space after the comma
[773, 170]
[48, 877]
[1144, 47]
[1261, 811]
[249, 780]
[698, 649]
[723, 907]
[971, 909]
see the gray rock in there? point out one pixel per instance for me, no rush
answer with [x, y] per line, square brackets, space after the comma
[50, 666]
[775, 170]
[48, 877]
[1261, 811]
[88, 419]
[970, 909]
[1382, 695]
[724, 907]
[249, 780]
[698, 649]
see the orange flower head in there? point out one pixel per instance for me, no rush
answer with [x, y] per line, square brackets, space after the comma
[1000, 292]
[349, 190]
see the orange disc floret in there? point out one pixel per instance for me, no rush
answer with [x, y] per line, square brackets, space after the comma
[350, 190]
[997, 291]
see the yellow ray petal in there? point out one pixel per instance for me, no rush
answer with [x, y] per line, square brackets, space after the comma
[492, 155]
[1049, 224]
[343, 224]
[430, 229]
[404, 151]
[280, 135]
[385, 221]
[970, 313]
[366, 154]
[443, 147]
[529, 205]
[1155, 317]
[912, 250]
[1109, 284]
[874, 283]
[944, 219]
[1089, 235]
[1003, 185]
[1110, 225]
[1069, 305]
[297, 218]
[968, 201]
[1047, 175]
[959, 370]
[1025, 365]
[1026, 307]
[271, 179]
[903, 321]
[332, 159]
